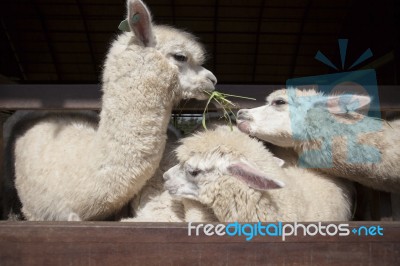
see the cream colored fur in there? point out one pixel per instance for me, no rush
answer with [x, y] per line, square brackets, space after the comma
[161, 207]
[68, 168]
[272, 123]
[196, 212]
[155, 204]
[203, 175]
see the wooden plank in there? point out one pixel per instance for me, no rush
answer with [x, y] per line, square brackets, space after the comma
[86, 96]
[395, 199]
[362, 203]
[50, 96]
[102, 243]
[2, 119]
[385, 206]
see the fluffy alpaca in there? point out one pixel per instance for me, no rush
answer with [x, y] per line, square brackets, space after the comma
[67, 168]
[330, 133]
[240, 180]
[155, 204]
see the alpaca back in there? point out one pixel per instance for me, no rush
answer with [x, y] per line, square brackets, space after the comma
[324, 197]
[28, 134]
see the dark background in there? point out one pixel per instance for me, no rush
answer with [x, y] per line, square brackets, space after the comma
[248, 42]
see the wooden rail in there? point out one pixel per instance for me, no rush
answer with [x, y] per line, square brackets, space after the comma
[104, 243]
[67, 97]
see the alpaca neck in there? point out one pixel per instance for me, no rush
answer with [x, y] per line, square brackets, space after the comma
[234, 202]
[128, 125]
[130, 139]
[132, 133]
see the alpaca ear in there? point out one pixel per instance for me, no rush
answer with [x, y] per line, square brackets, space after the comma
[343, 104]
[253, 178]
[139, 20]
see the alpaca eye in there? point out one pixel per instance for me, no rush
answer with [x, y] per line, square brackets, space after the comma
[180, 57]
[278, 102]
[194, 172]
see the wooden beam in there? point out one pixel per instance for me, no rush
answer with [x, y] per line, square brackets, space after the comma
[81, 96]
[50, 96]
[105, 243]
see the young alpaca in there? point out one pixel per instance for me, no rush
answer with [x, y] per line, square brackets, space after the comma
[67, 168]
[329, 133]
[240, 180]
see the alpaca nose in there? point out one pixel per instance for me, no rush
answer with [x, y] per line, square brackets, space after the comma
[166, 176]
[243, 114]
[170, 172]
[212, 78]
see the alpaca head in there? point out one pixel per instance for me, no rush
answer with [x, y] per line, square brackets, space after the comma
[292, 114]
[209, 157]
[179, 48]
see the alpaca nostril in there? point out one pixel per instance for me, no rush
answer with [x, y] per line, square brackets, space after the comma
[165, 176]
[213, 81]
[212, 78]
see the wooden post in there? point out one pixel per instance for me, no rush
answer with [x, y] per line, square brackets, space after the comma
[2, 119]
[395, 206]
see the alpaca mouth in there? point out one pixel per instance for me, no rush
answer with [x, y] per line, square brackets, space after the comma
[208, 90]
[203, 94]
[244, 126]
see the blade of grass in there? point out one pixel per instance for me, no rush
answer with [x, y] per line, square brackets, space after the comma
[227, 105]
[238, 96]
[203, 121]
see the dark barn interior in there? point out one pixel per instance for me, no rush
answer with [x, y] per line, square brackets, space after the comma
[248, 42]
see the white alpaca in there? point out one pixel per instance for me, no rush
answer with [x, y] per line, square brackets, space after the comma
[67, 168]
[240, 180]
[331, 134]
